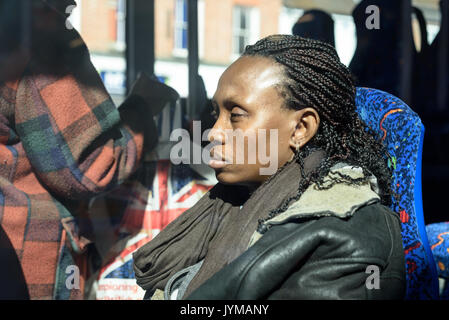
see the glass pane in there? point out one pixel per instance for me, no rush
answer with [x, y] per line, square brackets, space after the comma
[179, 11]
[184, 38]
[243, 17]
[103, 28]
[236, 17]
[184, 8]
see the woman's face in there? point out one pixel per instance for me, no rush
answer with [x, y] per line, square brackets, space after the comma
[254, 130]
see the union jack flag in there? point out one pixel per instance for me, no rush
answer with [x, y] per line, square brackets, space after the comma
[137, 212]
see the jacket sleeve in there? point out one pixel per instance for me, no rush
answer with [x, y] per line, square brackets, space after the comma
[74, 137]
[325, 258]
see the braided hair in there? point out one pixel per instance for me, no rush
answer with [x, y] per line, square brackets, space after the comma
[315, 77]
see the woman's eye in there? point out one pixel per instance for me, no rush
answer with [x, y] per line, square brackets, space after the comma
[237, 112]
[214, 114]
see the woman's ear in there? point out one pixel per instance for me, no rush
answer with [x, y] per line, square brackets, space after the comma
[307, 124]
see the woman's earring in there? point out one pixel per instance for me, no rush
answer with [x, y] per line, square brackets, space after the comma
[297, 149]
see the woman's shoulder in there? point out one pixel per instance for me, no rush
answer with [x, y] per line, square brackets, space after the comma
[373, 230]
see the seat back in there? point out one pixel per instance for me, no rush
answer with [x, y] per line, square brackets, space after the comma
[402, 132]
[438, 234]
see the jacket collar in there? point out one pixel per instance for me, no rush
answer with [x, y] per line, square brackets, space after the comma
[340, 200]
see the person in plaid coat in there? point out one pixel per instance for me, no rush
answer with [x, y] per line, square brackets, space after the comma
[62, 141]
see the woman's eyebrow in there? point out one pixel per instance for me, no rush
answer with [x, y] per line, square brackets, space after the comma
[227, 102]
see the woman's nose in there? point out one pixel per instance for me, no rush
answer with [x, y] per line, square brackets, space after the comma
[216, 134]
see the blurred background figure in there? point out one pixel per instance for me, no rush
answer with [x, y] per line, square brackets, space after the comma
[315, 24]
[62, 142]
[379, 58]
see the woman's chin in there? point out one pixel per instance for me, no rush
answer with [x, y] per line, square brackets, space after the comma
[226, 177]
[222, 177]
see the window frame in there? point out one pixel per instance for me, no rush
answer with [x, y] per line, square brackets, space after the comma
[120, 41]
[249, 33]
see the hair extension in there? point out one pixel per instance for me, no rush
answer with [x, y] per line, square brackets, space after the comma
[315, 77]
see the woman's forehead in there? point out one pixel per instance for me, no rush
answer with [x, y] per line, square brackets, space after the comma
[251, 74]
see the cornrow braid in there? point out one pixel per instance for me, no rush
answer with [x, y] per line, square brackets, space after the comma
[315, 77]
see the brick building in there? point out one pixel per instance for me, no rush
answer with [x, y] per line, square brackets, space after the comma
[224, 25]
[224, 28]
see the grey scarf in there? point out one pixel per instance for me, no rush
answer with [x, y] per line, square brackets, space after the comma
[215, 228]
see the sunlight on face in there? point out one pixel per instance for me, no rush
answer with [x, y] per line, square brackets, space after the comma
[248, 101]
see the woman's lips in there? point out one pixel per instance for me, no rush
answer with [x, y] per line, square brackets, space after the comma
[217, 161]
[217, 164]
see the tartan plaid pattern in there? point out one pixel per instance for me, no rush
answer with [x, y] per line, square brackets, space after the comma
[61, 137]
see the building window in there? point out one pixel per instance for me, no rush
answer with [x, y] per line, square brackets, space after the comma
[181, 27]
[246, 27]
[121, 25]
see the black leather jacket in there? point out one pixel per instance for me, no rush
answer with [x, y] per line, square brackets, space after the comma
[324, 258]
[339, 243]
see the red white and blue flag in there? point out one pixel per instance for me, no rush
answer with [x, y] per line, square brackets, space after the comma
[137, 212]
